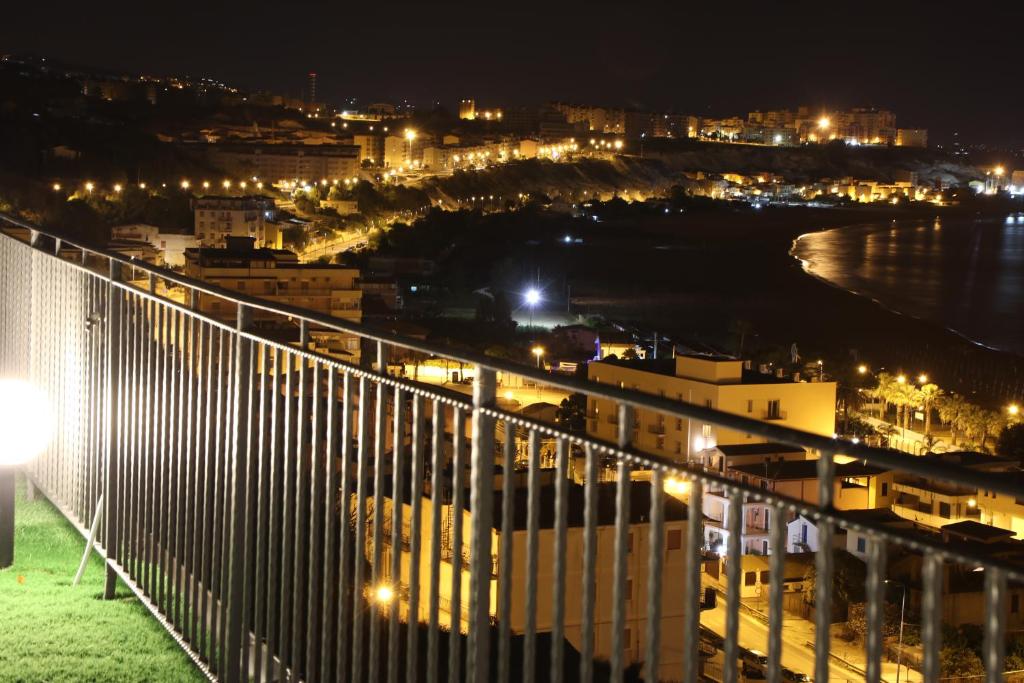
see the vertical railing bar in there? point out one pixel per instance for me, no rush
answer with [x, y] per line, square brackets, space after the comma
[823, 569]
[508, 497]
[655, 559]
[590, 506]
[875, 610]
[412, 668]
[436, 501]
[359, 557]
[560, 543]
[395, 579]
[275, 516]
[481, 504]
[733, 570]
[329, 525]
[533, 495]
[176, 549]
[776, 575]
[188, 506]
[622, 519]
[113, 450]
[379, 462]
[691, 616]
[931, 616]
[288, 520]
[206, 559]
[167, 416]
[319, 459]
[262, 515]
[216, 509]
[457, 509]
[994, 642]
[160, 459]
[300, 578]
[346, 553]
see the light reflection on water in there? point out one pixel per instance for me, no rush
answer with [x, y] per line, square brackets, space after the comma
[967, 276]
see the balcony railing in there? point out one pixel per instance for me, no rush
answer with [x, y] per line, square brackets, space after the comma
[237, 472]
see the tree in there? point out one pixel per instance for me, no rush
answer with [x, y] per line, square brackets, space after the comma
[930, 393]
[1010, 444]
[572, 412]
[951, 409]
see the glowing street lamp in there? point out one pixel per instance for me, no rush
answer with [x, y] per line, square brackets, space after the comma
[902, 379]
[26, 423]
[922, 378]
[539, 352]
[383, 594]
[1013, 409]
[226, 184]
[89, 187]
[824, 122]
[862, 369]
[677, 487]
[184, 184]
[999, 171]
[117, 188]
[56, 187]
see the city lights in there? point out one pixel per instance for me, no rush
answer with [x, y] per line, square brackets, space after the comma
[226, 184]
[824, 122]
[922, 378]
[862, 369]
[676, 486]
[89, 187]
[184, 184]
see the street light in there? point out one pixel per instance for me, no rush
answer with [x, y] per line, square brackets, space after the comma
[824, 122]
[1013, 409]
[862, 369]
[26, 423]
[539, 352]
[922, 378]
[384, 594]
[902, 379]
[903, 606]
[532, 298]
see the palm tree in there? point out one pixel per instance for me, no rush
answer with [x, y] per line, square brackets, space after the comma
[929, 393]
[992, 423]
[950, 408]
[884, 391]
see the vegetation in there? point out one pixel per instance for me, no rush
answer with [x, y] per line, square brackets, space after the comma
[55, 632]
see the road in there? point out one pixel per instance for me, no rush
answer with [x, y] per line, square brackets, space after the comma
[348, 240]
[796, 655]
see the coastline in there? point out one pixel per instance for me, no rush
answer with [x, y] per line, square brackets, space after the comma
[807, 266]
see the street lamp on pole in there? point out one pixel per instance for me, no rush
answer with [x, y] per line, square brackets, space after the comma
[899, 647]
[531, 297]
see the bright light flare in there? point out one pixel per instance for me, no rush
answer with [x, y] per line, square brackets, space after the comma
[677, 487]
[384, 594]
[824, 122]
[532, 297]
[26, 421]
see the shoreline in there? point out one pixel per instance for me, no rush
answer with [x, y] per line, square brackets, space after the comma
[806, 264]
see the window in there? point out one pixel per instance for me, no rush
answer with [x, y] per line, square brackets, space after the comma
[629, 589]
[764, 576]
[861, 544]
[803, 533]
[674, 539]
[629, 542]
[749, 578]
[679, 423]
[750, 405]
[707, 403]
[706, 431]
[679, 447]
[885, 488]
[774, 411]
[944, 510]
[1014, 603]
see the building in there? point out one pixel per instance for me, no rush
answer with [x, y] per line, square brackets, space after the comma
[371, 148]
[275, 275]
[311, 90]
[218, 218]
[857, 487]
[171, 246]
[400, 151]
[911, 137]
[275, 162]
[718, 382]
[635, 632]
[467, 109]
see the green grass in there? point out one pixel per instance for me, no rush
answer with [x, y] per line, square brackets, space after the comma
[51, 631]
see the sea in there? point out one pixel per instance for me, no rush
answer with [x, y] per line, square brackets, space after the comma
[966, 275]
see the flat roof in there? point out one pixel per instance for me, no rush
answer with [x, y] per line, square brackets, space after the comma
[977, 531]
[758, 448]
[804, 469]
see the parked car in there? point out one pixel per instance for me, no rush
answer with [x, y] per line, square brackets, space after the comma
[755, 664]
[796, 676]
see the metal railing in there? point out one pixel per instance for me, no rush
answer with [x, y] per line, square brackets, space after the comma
[240, 474]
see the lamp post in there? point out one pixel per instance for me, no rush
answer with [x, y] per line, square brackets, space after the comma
[899, 647]
[26, 425]
[532, 298]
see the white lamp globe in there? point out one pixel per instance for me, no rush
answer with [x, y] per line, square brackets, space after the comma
[26, 422]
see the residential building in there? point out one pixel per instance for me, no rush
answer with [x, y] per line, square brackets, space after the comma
[673, 567]
[171, 246]
[857, 487]
[275, 162]
[275, 275]
[218, 218]
[719, 382]
[467, 109]
[371, 147]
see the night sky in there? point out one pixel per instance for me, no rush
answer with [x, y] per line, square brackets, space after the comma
[943, 66]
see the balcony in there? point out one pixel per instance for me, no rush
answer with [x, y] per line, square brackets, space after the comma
[224, 454]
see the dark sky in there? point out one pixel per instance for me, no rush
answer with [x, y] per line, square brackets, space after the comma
[942, 65]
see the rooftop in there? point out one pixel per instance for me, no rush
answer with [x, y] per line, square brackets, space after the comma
[769, 448]
[781, 470]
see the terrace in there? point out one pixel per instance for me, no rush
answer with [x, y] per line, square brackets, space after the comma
[223, 456]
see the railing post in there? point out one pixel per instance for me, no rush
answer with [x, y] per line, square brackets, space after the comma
[238, 480]
[112, 448]
[481, 502]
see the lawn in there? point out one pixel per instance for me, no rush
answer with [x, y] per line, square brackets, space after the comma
[51, 631]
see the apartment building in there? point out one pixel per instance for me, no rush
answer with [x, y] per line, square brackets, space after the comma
[276, 275]
[674, 544]
[718, 382]
[218, 218]
[274, 162]
[371, 148]
[857, 487]
[170, 246]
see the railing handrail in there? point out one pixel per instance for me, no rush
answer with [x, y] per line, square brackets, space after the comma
[779, 433]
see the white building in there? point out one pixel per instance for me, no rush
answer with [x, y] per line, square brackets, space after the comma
[171, 246]
[217, 218]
